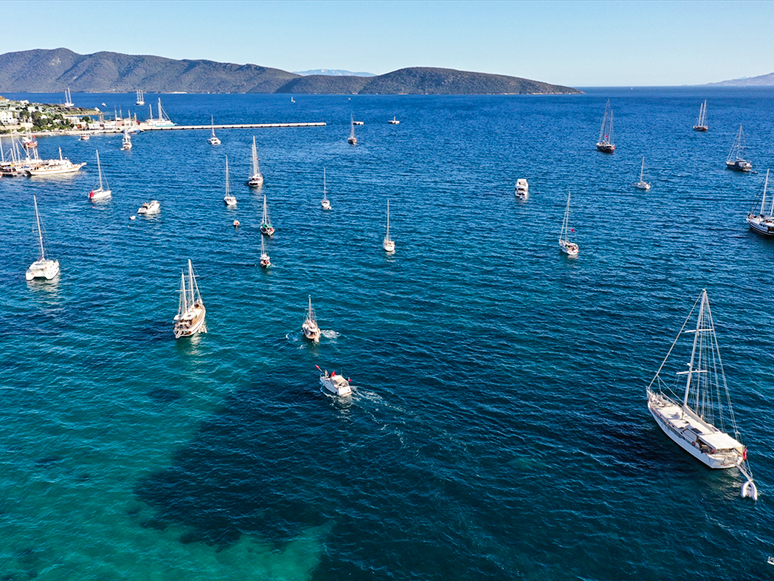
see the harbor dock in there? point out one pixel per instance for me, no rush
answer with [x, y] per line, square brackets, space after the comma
[240, 126]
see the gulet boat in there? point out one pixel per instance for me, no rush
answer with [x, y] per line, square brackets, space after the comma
[310, 329]
[191, 313]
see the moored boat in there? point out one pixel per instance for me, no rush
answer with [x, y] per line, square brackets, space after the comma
[762, 222]
[352, 140]
[642, 184]
[256, 178]
[42, 267]
[150, 208]
[388, 243]
[701, 122]
[310, 329]
[126, 142]
[55, 167]
[735, 160]
[325, 202]
[605, 142]
[101, 192]
[190, 318]
[565, 245]
[266, 227]
[229, 199]
[265, 259]
[522, 189]
[213, 140]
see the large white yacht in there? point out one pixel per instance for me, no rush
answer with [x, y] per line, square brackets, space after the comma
[191, 312]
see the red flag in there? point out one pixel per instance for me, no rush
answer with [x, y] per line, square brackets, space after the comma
[572, 229]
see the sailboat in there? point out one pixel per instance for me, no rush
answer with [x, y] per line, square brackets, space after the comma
[569, 248]
[162, 121]
[140, 98]
[265, 260]
[100, 193]
[352, 139]
[642, 184]
[388, 244]
[229, 199]
[763, 223]
[310, 329]
[605, 142]
[68, 98]
[703, 424]
[126, 142]
[266, 227]
[41, 268]
[213, 140]
[735, 160]
[191, 312]
[326, 204]
[701, 122]
[256, 179]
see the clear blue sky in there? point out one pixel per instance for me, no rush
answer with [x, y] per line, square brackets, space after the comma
[573, 43]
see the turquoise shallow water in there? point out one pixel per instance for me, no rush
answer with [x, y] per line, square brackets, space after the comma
[499, 427]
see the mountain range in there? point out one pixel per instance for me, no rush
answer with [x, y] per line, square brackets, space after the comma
[760, 81]
[50, 71]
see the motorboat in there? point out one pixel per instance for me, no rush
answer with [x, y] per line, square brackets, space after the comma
[336, 384]
[84, 138]
[149, 208]
[522, 189]
[42, 267]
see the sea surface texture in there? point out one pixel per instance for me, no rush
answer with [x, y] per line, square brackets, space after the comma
[498, 428]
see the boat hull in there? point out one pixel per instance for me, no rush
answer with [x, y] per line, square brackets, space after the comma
[739, 165]
[569, 248]
[191, 323]
[389, 246]
[268, 230]
[255, 181]
[762, 226]
[340, 388]
[46, 269]
[352, 141]
[97, 195]
[51, 171]
[326, 205]
[701, 128]
[606, 147]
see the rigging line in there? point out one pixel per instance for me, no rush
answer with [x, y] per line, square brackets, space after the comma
[674, 343]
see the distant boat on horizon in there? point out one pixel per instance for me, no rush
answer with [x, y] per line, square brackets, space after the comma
[352, 139]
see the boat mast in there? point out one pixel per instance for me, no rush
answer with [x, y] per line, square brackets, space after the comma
[325, 190]
[310, 315]
[387, 236]
[99, 169]
[642, 171]
[183, 296]
[40, 231]
[191, 282]
[566, 221]
[265, 211]
[226, 174]
[255, 158]
[351, 126]
[693, 351]
[765, 185]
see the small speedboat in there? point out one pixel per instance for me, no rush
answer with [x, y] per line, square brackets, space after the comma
[148, 208]
[522, 189]
[84, 138]
[336, 384]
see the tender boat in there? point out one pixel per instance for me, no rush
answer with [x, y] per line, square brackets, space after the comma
[735, 160]
[310, 329]
[642, 184]
[266, 227]
[213, 140]
[336, 384]
[83, 138]
[229, 199]
[42, 267]
[256, 178]
[388, 243]
[265, 260]
[522, 189]
[326, 204]
[706, 404]
[605, 142]
[55, 167]
[191, 313]
[393, 121]
[763, 223]
[701, 122]
[101, 192]
[352, 139]
[149, 208]
[569, 248]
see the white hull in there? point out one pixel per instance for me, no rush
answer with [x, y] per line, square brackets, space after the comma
[191, 323]
[126, 147]
[569, 248]
[268, 230]
[389, 246]
[326, 205]
[55, 169]
[642, 186]
[336, 384]
[265, 261]
[761, 225]
[47, 269]
[311, 331]
[255, 181]
[213, 141]
[149, 208]
[97, 195]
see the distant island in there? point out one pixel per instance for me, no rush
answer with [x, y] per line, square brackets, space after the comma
[760, 81]
[51, 71]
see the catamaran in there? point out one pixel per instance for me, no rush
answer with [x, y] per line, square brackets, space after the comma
[126, 142]
[326, 204]
[352, 139]
[42, 267]
[763, 223]
[310, 329]
[68, 98]
[522, 189]
[735, 160]
[191, 312]
[229, 199]
[605, 142]
[569, 248]
[213, 140]
[256, 178]
[703, 424]
[388, 243]
[140, 98]
[642, 184]
[701, 122]
[100, 193]
[265, 260]
[336, 384]
[266, 227]
[55, 167]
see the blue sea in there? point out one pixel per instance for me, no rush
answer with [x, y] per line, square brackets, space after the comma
[499, 427]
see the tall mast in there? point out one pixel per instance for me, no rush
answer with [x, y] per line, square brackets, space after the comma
[387, 237]
[40, 231]
[160, 117]
[183, 296]
[191, 281]
[765, 184]
[642, 171]
[227, 175]
[99, 169]
[255, 157]
[604, 121]
[325, 190]
[693, 351]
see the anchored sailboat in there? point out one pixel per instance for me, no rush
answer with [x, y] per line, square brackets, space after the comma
[763, 223]
[309, 328]
[265, 260]
[229, 199]
[266, 227]
[100, 193]
[42, 267]
[703, 424]
[213, 140]
[326, 204]
[735, 160]
[140, 98]
[68, 98]
[388, 244]
[605, 142]
[352, 139]
[701, 122]
[191, 312]
[256, 179]
[126, 142]
[569, 248]
[642, 184]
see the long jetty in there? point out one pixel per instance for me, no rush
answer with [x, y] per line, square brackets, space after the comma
[240, 126]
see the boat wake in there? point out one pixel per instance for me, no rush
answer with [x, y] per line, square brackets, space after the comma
[330, 334]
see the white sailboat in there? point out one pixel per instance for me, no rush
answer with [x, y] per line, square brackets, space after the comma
[703, 424]
[701, 122]
[140, 98]
[68, 98]
[266, 227]
[213, 140]
[310, 329]
[336, 384]
[605, 142]
[388, 243]
[642, 184]
[326, 204]
[101, 192]
[569, 248]
[191, 312]
[352, 139]
[763, 223]
[126, 142]
[229, 199]
[42, 267]
[735, 160]
[162, 121]
[256, 178]
[265, 260]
